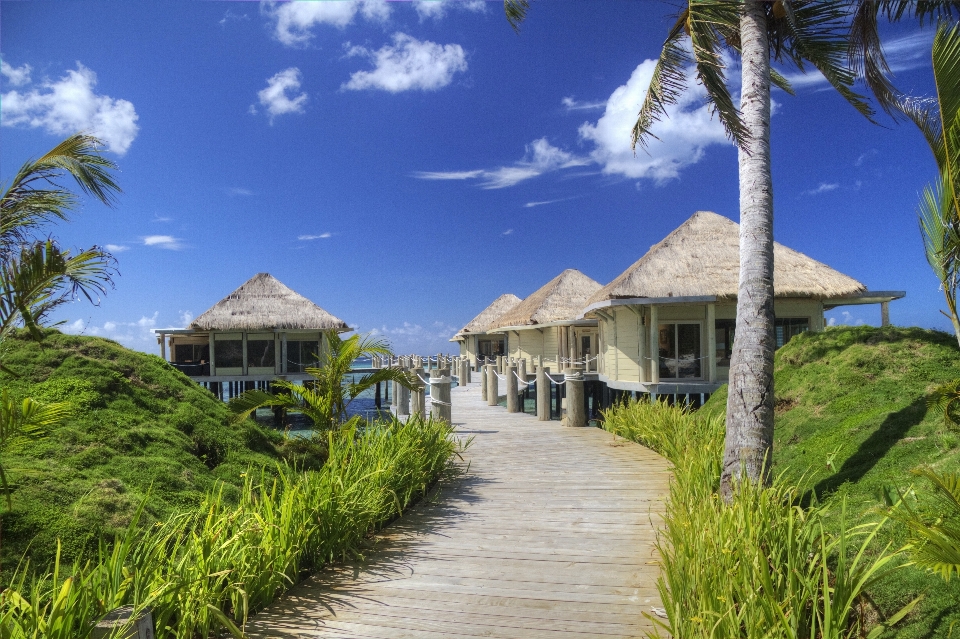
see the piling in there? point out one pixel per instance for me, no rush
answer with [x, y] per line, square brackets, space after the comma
[513, 396]
[440, 395]
[492, 390]
[576, 411]
[403, 397]
[483, 381]
[522, 369]
[543, 394]
[417, 395]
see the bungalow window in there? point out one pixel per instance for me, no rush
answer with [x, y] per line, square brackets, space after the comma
[261, 353]
[787, 327]
[490, 347]
[301, 355]
[191, 353]
[725, 332]
[680, 351]
[228, 353]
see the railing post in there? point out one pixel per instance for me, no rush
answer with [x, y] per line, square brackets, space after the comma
[513, 398]
[522, 368]
[576, 413]
[440, 395]
[492, 390]
[417, 398]
[403, 396]
[483, 382]
[543, 394]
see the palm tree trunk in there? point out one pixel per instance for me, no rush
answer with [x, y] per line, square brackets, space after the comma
[749, 435]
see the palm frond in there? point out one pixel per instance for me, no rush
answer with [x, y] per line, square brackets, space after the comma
[516, 11]
[865, 56]
[946, 71]
[923, 10]
[944, 401]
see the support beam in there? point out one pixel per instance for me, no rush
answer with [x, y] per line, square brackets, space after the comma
[654, 345]
[884, 313]
[711, 329]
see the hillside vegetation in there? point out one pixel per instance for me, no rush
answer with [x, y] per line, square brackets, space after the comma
[852, 421]
[140, 427]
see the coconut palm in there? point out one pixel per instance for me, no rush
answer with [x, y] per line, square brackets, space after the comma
[36, 275]
[935, 545]
[325, 398]
[838, 38]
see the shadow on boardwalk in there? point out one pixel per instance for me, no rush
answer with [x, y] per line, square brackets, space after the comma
[547, 532]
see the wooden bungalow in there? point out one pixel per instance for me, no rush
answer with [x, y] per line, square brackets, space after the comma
[546, 324]
[261, 331]
[667, 323]
[474, 338]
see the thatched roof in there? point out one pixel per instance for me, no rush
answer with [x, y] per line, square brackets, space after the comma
[263, 303]
[702, 257]
[489, 315]
[562, 298]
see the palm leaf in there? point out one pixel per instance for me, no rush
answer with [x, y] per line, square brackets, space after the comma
[667, 84]
[516, 11]
[866, 59]
[946, 71]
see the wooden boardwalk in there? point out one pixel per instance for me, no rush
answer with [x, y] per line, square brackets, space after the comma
[548, 533]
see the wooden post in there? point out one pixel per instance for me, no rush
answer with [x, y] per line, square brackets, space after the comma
[213, 355]
[440, 395]
[576, 413]
[244, 347]
[513, 397]
[884, 313]
[642, 346]
[139, 627]
[483, 382]
[417, 396]
[163, 346]
[543, 394]
[522, 370]
[492, 390]
[403, 397]
[654, 345]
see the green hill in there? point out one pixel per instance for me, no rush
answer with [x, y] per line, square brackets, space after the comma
[852, 421]
[140, 426]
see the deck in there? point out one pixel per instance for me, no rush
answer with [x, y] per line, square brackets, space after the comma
[548, 532]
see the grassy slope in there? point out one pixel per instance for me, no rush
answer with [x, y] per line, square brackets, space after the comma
[141, 425]
[852, 421]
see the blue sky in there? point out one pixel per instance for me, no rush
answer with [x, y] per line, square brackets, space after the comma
[402, 164]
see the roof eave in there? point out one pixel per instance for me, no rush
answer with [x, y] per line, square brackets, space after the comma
[867, 297]
[524, 327]
[647, 301]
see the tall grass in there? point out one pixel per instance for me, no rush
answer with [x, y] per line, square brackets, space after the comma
[761, 566]
[206, 571]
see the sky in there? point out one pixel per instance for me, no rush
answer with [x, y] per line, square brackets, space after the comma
[402, 164]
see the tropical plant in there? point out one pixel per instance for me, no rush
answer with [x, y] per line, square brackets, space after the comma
[325, 398]
[935, 544]
[840, 39]
[36, 275]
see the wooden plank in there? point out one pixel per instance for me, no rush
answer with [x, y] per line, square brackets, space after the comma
[548, 532]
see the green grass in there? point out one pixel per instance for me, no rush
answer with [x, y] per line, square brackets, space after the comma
[852, 423]
[140, 425]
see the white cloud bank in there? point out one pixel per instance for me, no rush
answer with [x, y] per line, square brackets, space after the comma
[415, 338]
[281, 96]
[437, 9]
[321, 236]
[683, 138]
[167, 242]
[294, 21]
[138, 334]
[67, 106]
[407, 64]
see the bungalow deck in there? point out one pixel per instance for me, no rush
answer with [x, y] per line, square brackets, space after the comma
[547, 532]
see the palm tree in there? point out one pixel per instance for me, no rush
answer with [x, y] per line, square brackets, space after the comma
[36, 275]
[325, 398]
[839, 38]
[935, 545]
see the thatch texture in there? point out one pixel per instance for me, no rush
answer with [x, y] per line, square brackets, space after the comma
[702, 257]
[489, 315]
[562, 298]
[263, 303]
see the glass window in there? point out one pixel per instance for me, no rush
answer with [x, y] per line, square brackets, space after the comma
[302, 355]
[787, 327]
[490, 347]
[191, 353]
[261, 353]
[229, 353]
[680, 351]
[725, 333]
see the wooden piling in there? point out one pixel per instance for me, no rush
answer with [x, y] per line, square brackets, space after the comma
[440, 395]
[417, 394]
[483, 382]
[543, 394]
[576, 413]
[513, 397]
[492, 389]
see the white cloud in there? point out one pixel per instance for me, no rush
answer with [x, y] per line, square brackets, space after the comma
[116, 248]
[541, 157]
[408, 64]
[17, 76]
[684, 134]
[239, 191]
[157, 218]
[185, 318]
[824, 187]
[163, 241]
[530, 205]
[572, 105]
[294, 21]
[507, 232]
[412, 338]
[866, 156]
[280, 96]
[70, 105]
[230, 15]
[137, 334]
[846, 318]
[436, 9]
[322, 236]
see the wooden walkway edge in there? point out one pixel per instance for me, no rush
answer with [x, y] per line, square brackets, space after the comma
[548, 532]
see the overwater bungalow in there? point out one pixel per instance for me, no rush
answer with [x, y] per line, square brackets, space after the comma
[546, 324]
[475, 340]
[261, 331]
[667, 323]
